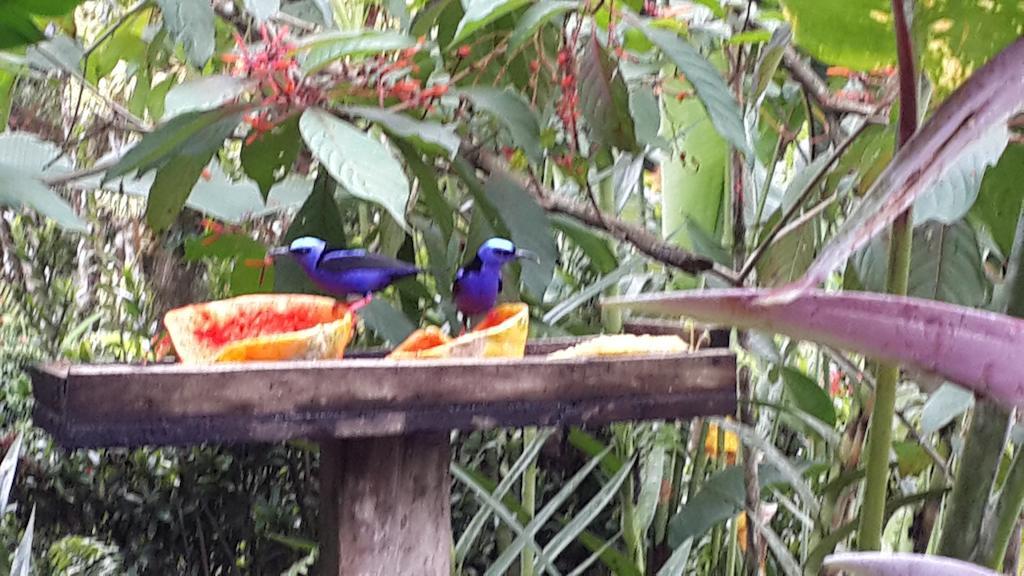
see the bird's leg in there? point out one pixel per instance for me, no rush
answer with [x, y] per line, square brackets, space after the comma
[354, 306]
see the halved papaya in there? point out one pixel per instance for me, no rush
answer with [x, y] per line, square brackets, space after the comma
[261, 327]
[502, 334]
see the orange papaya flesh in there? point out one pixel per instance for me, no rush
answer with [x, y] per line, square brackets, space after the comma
[261, 327]
[502, 334]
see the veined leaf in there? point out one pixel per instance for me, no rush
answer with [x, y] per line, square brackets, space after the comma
[202, 94]
[808, 396]
[852, 33]
[943, 406]
[512, 110]
[604, 99]
[480, 13]
[192, 133]
[269, 157]
[320, 50]
[722, 107]
[898, 564]
[19, 188]
[953, 194]
[430, 136]
[172, 187]
[191, 23]
[538, 15]
[974, 348]
[1001, 196]
[989, 98]
[362, 165]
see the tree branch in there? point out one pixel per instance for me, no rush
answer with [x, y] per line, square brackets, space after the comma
[640, 238]
[818, 90]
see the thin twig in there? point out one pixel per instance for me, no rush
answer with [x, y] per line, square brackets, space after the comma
[114, 27]
[640, 238]
[817, 89]
[69, 177]
[804, 195]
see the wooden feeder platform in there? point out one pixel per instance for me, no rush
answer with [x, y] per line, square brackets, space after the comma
[383, 425]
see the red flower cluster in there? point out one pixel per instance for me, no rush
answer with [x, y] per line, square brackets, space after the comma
[568, 105]
[389, 79]
[278, 79]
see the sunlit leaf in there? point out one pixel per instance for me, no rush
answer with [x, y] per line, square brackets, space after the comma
[202, 94]
[604, 100]
[428, 136]
[321, 49]
[359, 163]
[808, 396]
[1000, 198]
[946, 404]
[538, 15]
[512, 110]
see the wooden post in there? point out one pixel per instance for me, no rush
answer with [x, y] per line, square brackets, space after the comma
[384, 506]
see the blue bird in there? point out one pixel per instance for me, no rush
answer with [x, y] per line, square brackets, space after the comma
[344, 272]
[478, 283]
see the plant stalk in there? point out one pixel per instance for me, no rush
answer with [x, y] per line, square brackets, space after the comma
[529, 495]
[611, 320]
[876, 482]
[1011, 499]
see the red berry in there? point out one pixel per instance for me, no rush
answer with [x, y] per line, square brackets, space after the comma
[463, 51]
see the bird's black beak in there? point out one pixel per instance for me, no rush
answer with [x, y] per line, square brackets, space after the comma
[527, 255]
[278, 251]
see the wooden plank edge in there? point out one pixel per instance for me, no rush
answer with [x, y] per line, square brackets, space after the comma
[187, 431]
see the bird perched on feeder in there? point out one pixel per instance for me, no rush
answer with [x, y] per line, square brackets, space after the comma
[344, 272]
[477, 284]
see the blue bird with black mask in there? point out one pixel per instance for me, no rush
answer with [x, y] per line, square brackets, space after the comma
[343, 273]
[478, 284]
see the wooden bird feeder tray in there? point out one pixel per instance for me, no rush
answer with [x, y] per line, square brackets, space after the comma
[383, 425]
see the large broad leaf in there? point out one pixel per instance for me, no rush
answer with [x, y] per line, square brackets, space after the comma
[362, 165]
[202, 94]
[596, 246]
[428, 136]
[386, 321]
[722, 107]
[320, 50]
[193, 133]
[693, 177]
[538, 15]
[512, 110]
[262, 9]
[480, 13]
[952, 195]
[1001, 196]
[976, 349]
[808, 396]
[191, 23]
[789, 254]
[319, 217]
[528, 225]
[8, 468]
[172, 187]
[721, 497]
[604, 99]
[943, 406]
[18, 26]
[963, 35]
[24, 161]
[901, 564]
[22, 563]
[269, 158]
[856, 34]
[945, 264]
[988, 99]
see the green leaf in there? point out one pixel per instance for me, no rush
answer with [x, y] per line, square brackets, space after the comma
[512, 110]
[192, 133]
[18, 29]
[911, 458]
[480, 13]
[1000, 197]
[386, 321]
[643, 105]
[22, 564]
[319, 50]
[568, 305]
[856, 34]
[8, 469]
[538, 15]
[191, 23]
[362, 165]
[789, 255]
[597, 247]
[807, 396]
[604, 100]
[269, 157]
[751, 37]
[769, 61]
[262, 9]
[236, 248]
[721, 106]
[202, 94]
[319, 216]
[949, 199]
[946, 404]
[43, 7]
[427, 17]
[720, 498]
[961, 36]
[528, 225]
[428, 136]
[59, 53]
[23, 164]
[440, 211]
[172, 187]
[945, 265]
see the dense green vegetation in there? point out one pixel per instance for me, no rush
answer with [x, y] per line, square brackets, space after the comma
[153, 150]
